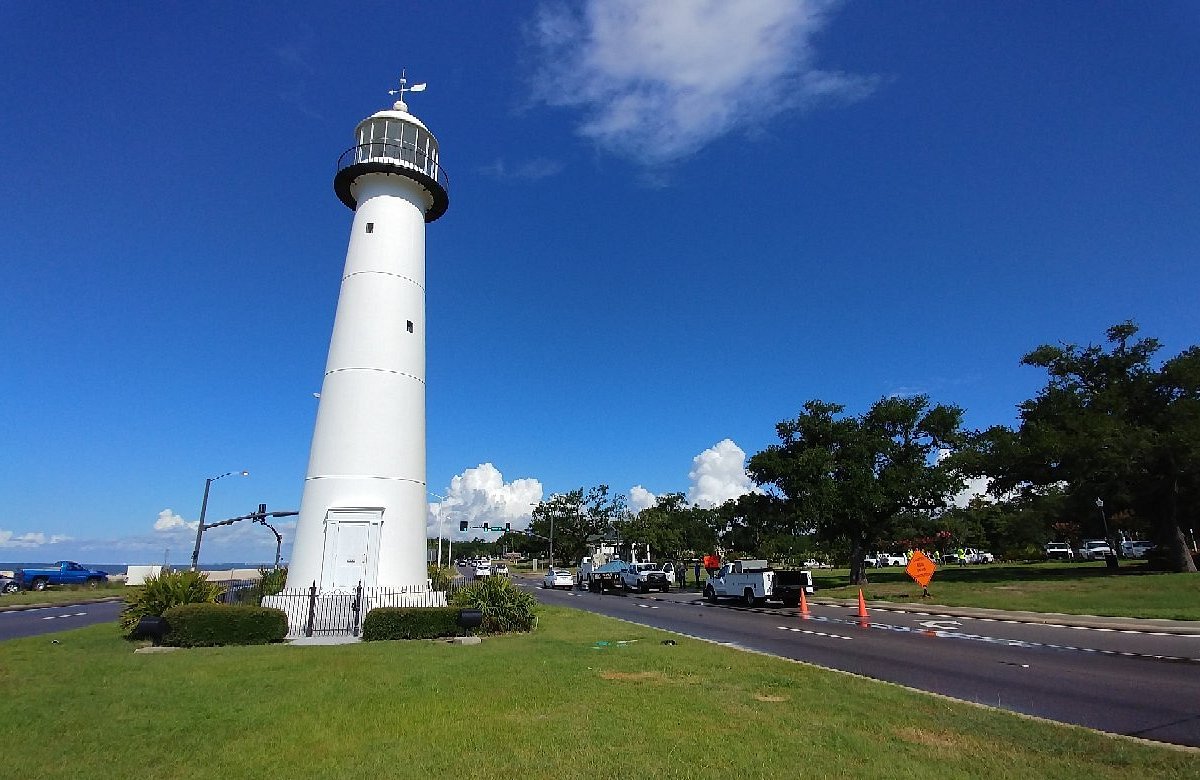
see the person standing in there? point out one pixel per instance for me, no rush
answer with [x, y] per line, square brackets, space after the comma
[682, 570]
[697, 572]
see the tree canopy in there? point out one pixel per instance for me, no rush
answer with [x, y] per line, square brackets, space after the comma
[570, 519]
[1119, 435]
[852, 478]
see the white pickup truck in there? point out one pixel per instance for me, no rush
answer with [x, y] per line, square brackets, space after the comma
[644, 577]
[753, 581]
[880, 560]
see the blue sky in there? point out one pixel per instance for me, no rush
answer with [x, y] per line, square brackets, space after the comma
[670, 225]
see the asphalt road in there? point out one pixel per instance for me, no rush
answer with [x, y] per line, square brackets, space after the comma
[1137, 684]
[48, 620]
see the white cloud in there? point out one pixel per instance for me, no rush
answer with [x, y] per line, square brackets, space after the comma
[169, 521]
[719, 474]
[29, 540]
[640, 498]
[660, 80]
[975, 487]
[480, 495]
[528, 170]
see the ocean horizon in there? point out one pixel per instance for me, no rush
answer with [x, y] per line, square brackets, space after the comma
[123, 568]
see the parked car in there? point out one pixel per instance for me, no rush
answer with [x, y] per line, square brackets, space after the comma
[1094, 550]
[879, 560]
[813, 563]
[8, 584]
[1059, 551]
[1135, 549]
[558, 578]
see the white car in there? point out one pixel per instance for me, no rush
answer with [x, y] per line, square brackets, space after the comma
[1060, 550]
[879, 560]
[1132, 549]
[500, 569]
[558, 578]
[1094, 550]
[482, 570]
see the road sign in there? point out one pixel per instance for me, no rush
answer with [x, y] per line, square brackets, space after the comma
[921, 569]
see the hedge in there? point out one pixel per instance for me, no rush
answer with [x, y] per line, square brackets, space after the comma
[410, 623]
[209, 625]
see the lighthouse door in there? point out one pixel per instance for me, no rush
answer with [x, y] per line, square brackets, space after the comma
[351, 541]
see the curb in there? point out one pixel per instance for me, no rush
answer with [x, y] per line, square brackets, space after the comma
[47, 604]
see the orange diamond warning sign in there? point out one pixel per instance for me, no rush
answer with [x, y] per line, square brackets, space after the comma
[921, 569]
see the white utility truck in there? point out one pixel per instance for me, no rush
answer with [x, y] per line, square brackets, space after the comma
[753, 581]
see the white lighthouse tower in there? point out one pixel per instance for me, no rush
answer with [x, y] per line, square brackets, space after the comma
[363, 512]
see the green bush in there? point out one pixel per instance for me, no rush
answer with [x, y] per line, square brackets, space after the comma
[209, 625]
[410, 623]
[505, 607]
[169, 589]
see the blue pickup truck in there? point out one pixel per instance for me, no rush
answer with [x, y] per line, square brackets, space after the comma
[61, 573]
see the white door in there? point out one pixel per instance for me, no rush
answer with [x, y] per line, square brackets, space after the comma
[350, 555]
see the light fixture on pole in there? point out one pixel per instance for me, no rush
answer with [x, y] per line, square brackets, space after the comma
[204, 510]
[1103, 519]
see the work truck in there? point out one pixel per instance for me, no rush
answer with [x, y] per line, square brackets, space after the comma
[598, 574]
[753, 582]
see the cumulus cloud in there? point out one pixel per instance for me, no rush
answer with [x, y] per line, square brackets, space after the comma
[657, 81]
[480, 495]
[719, 474]
[640, 498]
[169, 521]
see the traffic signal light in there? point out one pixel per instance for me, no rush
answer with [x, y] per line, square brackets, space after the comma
[462, 525]
[507, 527]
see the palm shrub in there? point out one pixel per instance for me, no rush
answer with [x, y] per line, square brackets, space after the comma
[505, 607]
[440, 577]
[169, 589]
[270, 582]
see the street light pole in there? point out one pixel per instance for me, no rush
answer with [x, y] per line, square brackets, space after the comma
[204, 510]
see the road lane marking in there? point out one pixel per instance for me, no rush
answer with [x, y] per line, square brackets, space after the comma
[813, 633]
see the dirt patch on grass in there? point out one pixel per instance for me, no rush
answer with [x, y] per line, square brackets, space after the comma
[634, 676]
[943, 742]
[769, 697]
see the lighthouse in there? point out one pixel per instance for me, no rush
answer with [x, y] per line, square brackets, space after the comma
[363, 510]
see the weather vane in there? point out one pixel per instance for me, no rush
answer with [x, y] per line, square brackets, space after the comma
[400, 104]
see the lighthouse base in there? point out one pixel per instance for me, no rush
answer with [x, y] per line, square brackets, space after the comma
[341, 612]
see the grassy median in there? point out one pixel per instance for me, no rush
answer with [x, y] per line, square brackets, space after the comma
[1077, 588]
[553, 703]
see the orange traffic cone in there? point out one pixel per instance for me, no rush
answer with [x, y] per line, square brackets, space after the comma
[862, 606]
[803, 605]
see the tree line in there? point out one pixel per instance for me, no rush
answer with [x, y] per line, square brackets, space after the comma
[1110, 445]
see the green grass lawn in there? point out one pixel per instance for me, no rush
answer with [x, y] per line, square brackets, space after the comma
[1077, 588]
[549, 704]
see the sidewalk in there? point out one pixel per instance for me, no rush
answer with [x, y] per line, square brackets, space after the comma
[1184, 627]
